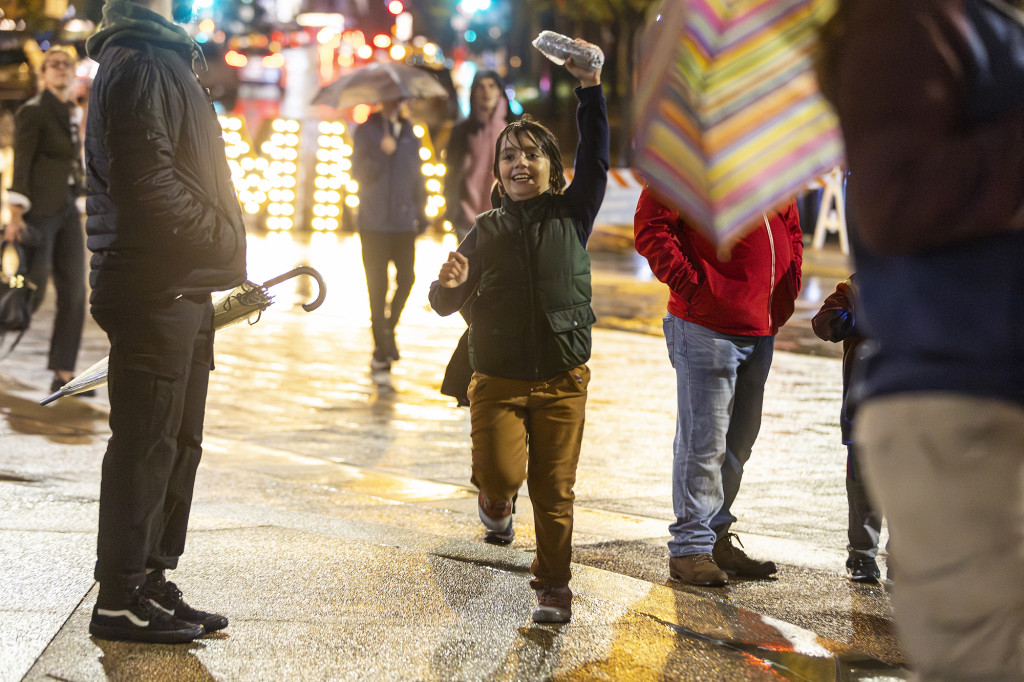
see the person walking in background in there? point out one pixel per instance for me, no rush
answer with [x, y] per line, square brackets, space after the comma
[720, 330]
[165, 229]
[393, 198]
[527, 264]
[469, 158]
[44, 215]
[470, 189]
[930, 98]
[836, 321]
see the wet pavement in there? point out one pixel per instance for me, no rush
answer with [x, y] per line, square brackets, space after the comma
[335, 525]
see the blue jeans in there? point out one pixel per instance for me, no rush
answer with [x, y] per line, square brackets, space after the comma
[720, 387]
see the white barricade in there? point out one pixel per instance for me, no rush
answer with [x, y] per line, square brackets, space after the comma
[620, 197]
[832, 210]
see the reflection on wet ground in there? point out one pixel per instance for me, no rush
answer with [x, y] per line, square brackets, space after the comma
[71, 422]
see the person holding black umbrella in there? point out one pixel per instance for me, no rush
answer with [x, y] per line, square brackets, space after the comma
[392, 213]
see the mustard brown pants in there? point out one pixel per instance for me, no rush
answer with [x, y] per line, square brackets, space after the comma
[532, 431]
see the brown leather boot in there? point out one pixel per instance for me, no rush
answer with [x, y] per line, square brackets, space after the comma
[697, 569]
[554, 605]
[735, 561]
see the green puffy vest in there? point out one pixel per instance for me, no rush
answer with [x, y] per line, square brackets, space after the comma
[531, 319]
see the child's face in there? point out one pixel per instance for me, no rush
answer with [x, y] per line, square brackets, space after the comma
[525, 170]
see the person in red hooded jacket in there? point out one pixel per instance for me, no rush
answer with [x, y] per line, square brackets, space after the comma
[720, 329]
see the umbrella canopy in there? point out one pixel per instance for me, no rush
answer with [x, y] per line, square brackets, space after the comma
[729, 120]
[380, 82]
[244, 302]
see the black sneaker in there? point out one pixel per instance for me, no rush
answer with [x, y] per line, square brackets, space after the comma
[166, 596]
[142, 621]
[735, 561]
[863, 570]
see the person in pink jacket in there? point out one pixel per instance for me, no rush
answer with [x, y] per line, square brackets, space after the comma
[720, 330]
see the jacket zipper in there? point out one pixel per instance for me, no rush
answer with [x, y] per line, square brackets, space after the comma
[771, 282]
[533, 302]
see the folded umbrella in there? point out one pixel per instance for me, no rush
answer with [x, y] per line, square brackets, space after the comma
[729, 120]
[245, 302]
[380, 82]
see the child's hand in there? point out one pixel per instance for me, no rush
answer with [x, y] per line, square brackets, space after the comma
[455, 271]
[586, 75]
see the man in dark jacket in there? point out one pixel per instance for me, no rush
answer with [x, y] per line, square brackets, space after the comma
[930, 97]
[392, 203]
[720, 329]
[166, 231]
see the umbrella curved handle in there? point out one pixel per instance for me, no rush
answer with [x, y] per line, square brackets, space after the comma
[302, 270]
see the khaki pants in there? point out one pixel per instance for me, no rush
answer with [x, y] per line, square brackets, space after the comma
[948, 471]
[531, 431]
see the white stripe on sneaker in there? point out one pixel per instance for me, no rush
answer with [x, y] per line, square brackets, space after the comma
[169, 612]
[136, 621]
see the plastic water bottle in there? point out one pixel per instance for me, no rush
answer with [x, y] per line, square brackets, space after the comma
[558, 48]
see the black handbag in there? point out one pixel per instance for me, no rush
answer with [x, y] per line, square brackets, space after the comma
[15, 292]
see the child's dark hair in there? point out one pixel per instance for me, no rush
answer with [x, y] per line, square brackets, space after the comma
[544, 138]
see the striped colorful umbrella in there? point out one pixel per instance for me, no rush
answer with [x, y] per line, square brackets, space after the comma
[728, 117]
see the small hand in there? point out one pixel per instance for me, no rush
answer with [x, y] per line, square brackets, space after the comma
[586, 75]
[388, 144]
[455, 271]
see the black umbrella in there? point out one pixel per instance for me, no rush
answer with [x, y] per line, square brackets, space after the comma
[380, 82]
[245, 302]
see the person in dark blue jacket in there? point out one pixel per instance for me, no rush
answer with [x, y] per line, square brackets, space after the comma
[392, 203]
[930, 97]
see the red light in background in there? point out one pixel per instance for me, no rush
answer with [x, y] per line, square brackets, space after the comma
[382, 40]
[396, 7]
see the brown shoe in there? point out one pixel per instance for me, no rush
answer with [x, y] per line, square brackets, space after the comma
[735, 561]
[554, 605]
[697, 569]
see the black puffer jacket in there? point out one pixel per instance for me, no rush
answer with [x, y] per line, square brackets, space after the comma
[163, 218]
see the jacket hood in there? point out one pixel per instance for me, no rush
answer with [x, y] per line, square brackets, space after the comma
[125, 19]
[503, 110]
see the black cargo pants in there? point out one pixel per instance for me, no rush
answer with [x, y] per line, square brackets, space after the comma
[160, 361]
